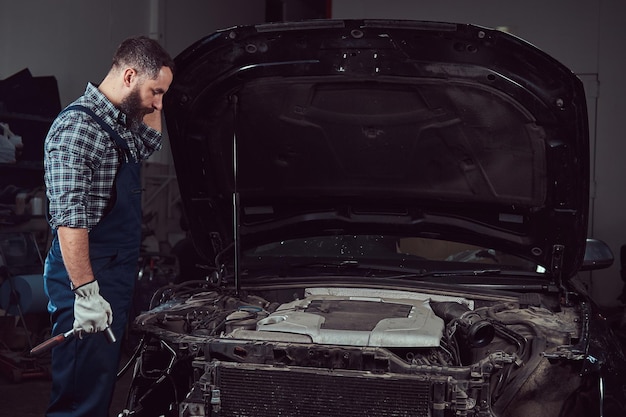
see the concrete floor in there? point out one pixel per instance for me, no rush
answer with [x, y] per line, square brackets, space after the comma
[29, 397]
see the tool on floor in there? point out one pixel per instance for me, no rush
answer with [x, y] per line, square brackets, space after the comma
[60, 338]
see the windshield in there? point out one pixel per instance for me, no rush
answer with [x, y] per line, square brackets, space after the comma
[415, 252]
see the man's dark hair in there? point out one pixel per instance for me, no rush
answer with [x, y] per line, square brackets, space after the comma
[143, 54]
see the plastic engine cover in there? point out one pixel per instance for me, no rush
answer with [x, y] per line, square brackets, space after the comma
[354, 321]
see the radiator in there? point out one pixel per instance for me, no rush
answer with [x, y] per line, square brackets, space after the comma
[246, 390]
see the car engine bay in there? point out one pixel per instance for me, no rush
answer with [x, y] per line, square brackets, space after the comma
[316, 350]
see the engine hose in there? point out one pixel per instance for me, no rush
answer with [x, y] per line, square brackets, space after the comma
[476, 331]
[512, 336]
[493, 315]
[133, 357]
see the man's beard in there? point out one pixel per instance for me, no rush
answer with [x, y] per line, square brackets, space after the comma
[131, 107]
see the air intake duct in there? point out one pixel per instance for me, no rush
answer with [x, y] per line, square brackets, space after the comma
[476, 331]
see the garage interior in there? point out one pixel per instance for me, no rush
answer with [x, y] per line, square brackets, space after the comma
[50, 50]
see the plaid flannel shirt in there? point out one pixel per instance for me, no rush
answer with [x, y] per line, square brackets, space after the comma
[81, 161]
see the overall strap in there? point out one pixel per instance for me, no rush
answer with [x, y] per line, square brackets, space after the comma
[119, 142]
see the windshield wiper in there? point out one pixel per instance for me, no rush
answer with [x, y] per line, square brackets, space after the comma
[419, 273]
[459, 272]
[342, 264]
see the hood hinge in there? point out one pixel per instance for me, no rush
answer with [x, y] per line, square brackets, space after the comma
[556, 268]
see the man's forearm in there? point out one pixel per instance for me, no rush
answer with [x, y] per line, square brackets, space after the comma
[75, 250]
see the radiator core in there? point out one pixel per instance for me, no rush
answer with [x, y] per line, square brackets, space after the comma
[264, 391]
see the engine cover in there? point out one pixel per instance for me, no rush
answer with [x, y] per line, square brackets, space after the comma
[376, 320]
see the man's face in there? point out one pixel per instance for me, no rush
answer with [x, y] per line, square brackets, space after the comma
[146, 96]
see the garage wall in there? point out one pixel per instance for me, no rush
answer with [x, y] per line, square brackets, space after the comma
[585, 35]
[75, 39]
[186, 21]
[609, 217]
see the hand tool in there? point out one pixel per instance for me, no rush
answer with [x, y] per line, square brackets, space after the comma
[60, 338]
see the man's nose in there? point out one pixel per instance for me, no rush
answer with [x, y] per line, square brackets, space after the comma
[157, 104]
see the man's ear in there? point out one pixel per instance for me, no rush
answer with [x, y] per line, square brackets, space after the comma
[130, 76]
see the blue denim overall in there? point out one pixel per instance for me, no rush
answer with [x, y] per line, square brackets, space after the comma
[84, 370]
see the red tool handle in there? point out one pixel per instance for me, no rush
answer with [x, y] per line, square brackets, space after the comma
[60, 338]
[50, 343]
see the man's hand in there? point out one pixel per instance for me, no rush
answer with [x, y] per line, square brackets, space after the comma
[92, 313]
[154, 120]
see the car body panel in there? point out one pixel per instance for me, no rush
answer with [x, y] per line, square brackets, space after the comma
[428, 128]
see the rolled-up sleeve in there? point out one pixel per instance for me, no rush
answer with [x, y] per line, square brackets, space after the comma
[151, 140]
[72, 154]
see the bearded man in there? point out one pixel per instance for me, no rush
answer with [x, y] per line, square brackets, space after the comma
[92, 159]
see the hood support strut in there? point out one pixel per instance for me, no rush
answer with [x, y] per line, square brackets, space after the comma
[236, 204]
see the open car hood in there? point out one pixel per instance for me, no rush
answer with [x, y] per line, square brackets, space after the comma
[412, 128]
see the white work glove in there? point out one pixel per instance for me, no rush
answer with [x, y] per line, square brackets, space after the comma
[92, 313]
